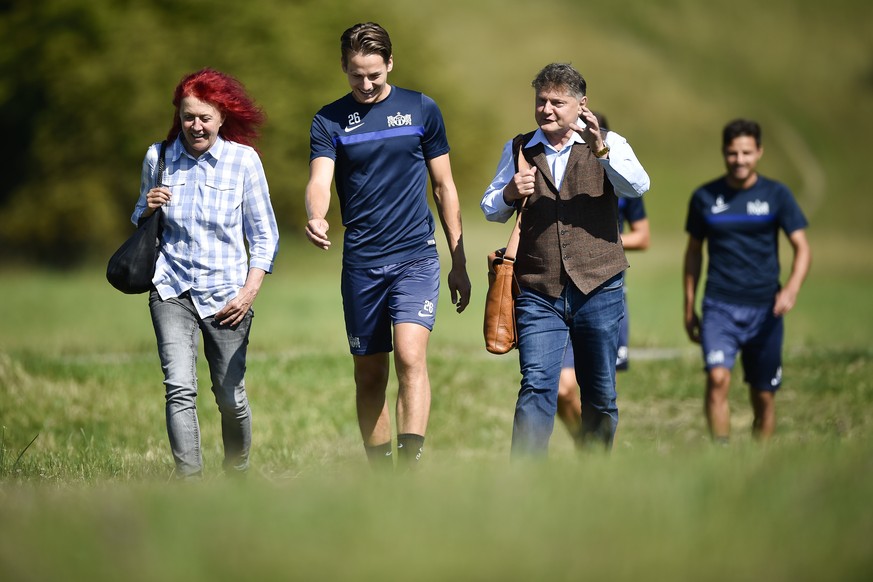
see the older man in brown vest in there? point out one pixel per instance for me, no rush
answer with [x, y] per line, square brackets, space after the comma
[570, 260]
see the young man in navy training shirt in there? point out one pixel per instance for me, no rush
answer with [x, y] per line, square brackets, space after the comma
[740, 215]
[380, 143]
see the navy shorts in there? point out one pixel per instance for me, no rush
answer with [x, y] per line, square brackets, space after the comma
[728, 328]
[621, 361]
[375, 299]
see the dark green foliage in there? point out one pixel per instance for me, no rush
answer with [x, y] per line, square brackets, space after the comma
[85, 87]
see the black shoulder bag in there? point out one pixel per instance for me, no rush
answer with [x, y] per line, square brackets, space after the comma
[132, 267]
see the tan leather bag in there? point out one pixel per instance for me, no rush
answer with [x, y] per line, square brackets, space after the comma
[500, 332]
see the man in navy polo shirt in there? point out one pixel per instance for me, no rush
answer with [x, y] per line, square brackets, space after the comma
[740, 215]
[380, 143]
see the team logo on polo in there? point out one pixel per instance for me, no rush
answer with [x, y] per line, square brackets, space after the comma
[719, 205]
[399, 119]
[757, 208]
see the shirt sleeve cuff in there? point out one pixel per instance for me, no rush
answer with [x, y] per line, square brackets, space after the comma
[262, 264]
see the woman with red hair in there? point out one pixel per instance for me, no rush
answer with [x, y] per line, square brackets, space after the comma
[214, 200]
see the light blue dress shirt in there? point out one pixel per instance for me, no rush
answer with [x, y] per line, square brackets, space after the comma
[622, 168]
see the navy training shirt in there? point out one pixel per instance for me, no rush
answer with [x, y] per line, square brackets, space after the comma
[380, 151]
[630, 210]
[742, 230]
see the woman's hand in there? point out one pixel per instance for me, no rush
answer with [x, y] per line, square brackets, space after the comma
[234, 312]
[155, 198]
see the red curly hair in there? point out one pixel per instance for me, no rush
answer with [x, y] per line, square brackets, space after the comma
[242, 117]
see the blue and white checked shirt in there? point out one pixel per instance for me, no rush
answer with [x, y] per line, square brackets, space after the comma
[217, 199]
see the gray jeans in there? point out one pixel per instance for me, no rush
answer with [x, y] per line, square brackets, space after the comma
[178, 328]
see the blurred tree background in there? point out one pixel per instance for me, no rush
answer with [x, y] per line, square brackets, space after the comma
[85, 87]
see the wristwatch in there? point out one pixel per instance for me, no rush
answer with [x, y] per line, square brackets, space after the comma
[603, 152]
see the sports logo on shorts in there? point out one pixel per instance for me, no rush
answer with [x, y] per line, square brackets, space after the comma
[715, 357]
[354, 342]
[426, 309]
[777, 379]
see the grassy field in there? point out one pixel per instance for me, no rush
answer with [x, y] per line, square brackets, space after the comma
[91, 498]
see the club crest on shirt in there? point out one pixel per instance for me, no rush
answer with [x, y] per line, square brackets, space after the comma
[757, 208]
[399, 119]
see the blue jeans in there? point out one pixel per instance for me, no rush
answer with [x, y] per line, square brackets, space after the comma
[178, 328]
[545, 325]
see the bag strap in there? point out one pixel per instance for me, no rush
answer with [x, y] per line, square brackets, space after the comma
[159, 179]
[159, 173]
[521, 163]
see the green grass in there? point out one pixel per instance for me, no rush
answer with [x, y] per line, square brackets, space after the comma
[91, 498]
[743, 513]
